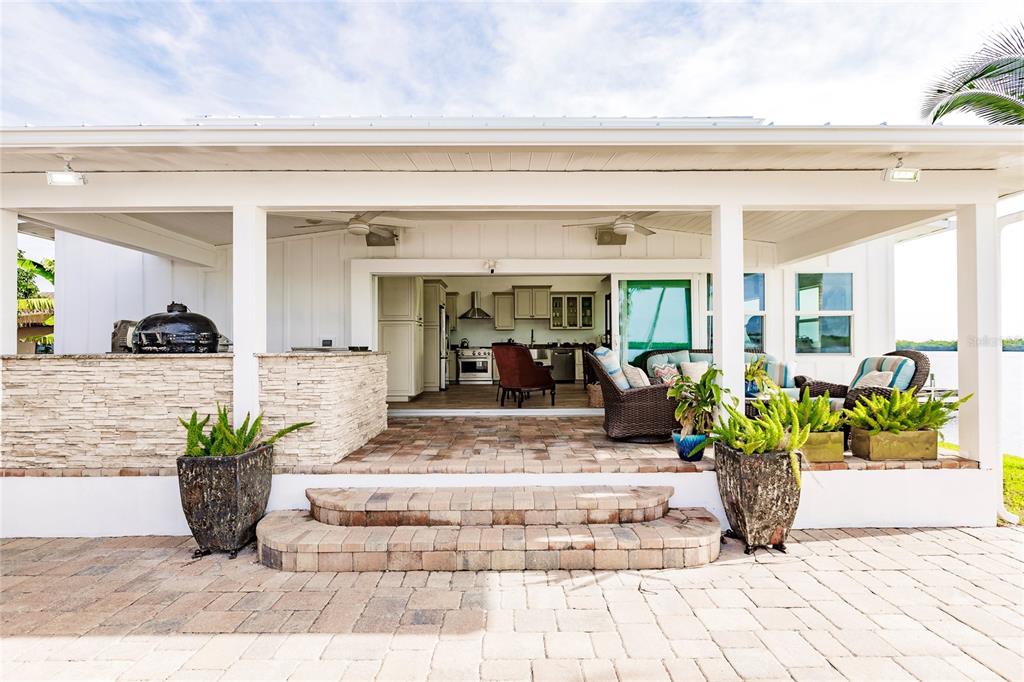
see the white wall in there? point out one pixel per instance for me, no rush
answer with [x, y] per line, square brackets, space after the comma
[308, 278]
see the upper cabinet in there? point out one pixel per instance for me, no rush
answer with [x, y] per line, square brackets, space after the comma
[572, 310]
[504, 311]
[400, 298]
[433, 296]
[532, 303]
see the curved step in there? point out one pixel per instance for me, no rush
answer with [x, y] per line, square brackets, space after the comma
[519, 506]
[295, 541]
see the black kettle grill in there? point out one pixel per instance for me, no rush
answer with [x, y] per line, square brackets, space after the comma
[176, 331]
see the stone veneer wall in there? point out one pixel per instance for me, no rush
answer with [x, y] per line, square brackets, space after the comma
[345, 394]
[104, 411]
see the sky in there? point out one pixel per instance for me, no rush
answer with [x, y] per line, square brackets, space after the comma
[789, 63]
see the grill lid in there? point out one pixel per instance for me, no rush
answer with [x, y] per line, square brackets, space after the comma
[475, 312]
[175, 331]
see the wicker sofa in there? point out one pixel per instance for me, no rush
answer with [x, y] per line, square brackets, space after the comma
[922, 368]
[640, 415]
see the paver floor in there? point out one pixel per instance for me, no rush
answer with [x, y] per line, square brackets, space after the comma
[923, 604]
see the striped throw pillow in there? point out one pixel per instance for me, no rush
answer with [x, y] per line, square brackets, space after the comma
[902, 370]
[610, 361]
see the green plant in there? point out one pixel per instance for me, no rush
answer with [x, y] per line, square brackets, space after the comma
[901, 411]
[755, 372]
[817, 414]
[697, 400]
[224, 440]
[776, 428]
[989, 83]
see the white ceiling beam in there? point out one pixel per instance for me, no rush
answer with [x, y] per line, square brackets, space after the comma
[132, 233]
[850, 231]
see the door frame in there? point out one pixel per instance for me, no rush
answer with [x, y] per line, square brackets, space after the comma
[698, 303]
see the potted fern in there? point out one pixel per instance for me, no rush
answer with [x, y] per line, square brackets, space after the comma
[825, 442]
[696, 402]
[224, 479]
[757, 463]
[898, 425]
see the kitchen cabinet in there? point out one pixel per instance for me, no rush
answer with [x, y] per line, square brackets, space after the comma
[400, 298]
[532, 303]
[572, 311]
[579, 366]
[504, 311]
[402, 340]
[451, 306]
[433, 296]
[434, 291]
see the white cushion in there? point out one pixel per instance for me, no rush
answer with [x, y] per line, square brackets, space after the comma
[874, 379]
[636, 377]
[610, 361]
[693, 370]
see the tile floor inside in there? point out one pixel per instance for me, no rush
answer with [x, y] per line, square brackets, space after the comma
[858, 604]
[485, 396]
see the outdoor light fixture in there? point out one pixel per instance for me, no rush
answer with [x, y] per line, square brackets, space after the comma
[67, 177]
[900, 174]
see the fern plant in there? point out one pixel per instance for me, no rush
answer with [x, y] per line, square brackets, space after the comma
[817, 415]
[223, 440]
[777, 427]
[901, 411]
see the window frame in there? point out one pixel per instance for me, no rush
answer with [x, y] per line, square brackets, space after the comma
[709, 312]
[797, 313]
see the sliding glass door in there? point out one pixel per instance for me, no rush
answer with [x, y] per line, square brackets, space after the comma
[654, 314]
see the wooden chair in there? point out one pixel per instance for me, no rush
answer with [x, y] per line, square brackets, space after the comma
[519, 374]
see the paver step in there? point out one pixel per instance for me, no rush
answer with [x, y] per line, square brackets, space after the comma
[518, 506]
[295, 541]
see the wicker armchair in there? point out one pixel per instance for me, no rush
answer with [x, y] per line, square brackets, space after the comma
[922, 368]
[641, 415]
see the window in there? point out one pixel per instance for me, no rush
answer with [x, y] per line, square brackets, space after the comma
[753, 306]
[824, 312]
[654, 314]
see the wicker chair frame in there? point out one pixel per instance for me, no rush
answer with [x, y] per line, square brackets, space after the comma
[641, 415]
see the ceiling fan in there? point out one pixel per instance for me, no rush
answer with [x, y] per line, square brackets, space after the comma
[615, 231]
[360, 225]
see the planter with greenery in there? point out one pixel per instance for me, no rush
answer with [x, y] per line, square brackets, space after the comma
[695, 412]
[224, 479]
[898, 425]
[755, 378]
[825, 442]
[758, 467]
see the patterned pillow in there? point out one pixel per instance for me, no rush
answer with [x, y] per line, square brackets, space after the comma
[610, 361]
[874, 379]
[667, 359]
[635, 376]
[665, 374]
[902, 370]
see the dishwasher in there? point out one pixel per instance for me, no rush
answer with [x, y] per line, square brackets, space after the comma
[563, 365]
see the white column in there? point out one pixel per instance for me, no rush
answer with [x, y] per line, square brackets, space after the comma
[979, 335]
[248, 305]
[8, 282]
[727, 299]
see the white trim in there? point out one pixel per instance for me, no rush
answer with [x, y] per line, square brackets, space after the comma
[8, 283]
[497, 412]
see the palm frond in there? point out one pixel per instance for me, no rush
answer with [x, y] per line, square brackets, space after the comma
[44, 269]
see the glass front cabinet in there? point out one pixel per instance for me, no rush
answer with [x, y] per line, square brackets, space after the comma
[572, 311]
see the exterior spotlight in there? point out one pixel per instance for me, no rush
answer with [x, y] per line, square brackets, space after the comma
[67, 177]
[900, 174]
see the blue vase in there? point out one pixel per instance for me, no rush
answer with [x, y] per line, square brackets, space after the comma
[687, 446]
[751, 389]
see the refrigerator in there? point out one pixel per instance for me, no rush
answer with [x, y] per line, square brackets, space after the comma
[442, 329]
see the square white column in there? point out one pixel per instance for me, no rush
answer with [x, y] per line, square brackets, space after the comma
[979, 336]
[248, 305]
[727, 297]
[8, 282]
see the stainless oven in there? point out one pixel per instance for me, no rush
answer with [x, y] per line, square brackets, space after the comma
[474, 365]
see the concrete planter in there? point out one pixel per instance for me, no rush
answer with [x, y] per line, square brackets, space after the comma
[224, 497]
[824, 447]
[760, 495]
[885, 445]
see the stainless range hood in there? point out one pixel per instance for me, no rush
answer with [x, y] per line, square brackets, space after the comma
[475, 312]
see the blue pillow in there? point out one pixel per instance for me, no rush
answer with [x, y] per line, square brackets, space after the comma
[902, 369]
[610, 361]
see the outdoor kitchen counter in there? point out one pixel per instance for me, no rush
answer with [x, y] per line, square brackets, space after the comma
[112, 413]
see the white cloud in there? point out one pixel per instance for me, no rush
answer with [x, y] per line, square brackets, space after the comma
[791, 63]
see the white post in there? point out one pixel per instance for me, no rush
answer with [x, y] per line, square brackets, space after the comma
[248, 305]
[727, 298]
[8, 282]
[979, 336]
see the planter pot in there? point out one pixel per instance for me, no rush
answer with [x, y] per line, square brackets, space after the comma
[885, 445]
[224, 497]
[760, 495]
[751, 389]
[824, 447]
[686, 444]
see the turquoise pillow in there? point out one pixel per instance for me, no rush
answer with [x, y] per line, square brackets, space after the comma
[679, 357]
[902, 369]
[702, 357]
[657, 359]
[610, 361]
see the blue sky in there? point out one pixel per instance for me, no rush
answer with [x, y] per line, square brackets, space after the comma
[155, 62]
[791, 63]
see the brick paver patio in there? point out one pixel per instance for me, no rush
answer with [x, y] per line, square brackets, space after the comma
[856, 604]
